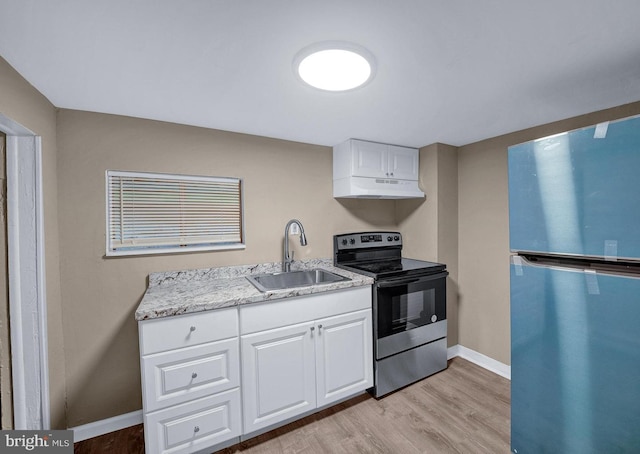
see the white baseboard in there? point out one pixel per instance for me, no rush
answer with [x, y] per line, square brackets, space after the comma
[481, 360]
[105, 426]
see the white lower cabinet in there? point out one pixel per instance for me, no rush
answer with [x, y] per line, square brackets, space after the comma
[208, 378]
[278, 375]
[178, 375]
[194, 425]
[291, 370]
[344, 357]
[190, 381]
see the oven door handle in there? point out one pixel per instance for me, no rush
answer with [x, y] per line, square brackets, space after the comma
[405, 281]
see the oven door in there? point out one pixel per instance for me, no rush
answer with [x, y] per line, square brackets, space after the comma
[409, 312]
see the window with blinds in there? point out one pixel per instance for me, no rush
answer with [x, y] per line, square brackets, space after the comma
[151, 213]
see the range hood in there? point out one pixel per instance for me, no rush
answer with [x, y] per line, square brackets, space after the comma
[376, 188]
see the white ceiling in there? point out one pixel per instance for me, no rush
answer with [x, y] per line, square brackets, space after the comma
[453, 71]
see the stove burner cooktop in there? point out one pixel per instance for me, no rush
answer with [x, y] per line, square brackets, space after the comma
[402, 266]
[378, 255]
[397, 265]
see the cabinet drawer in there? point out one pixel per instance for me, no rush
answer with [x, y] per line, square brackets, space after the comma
[290, 311]
[194, 426]
[189, 373]
[157, 335]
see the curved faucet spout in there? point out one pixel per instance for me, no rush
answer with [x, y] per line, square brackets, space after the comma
[288, 259]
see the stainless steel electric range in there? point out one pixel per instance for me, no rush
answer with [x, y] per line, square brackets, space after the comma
[409, 307]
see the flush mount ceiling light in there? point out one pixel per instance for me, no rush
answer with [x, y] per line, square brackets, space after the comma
[334, 66]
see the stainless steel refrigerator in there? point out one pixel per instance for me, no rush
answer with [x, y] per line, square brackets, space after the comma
[574, 220]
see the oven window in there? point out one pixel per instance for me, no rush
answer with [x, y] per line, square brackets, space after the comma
[412, 310]
[404, 307]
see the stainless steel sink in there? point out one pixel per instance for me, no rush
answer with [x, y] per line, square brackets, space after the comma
[292, 279]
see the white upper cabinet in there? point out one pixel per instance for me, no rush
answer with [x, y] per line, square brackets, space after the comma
[402, 162]
[364, 169]
[369, 159]
[379, 160]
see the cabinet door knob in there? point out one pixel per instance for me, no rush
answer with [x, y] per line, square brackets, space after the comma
[391, 173]
[319, 326]
[196, 429]
[194, 375]
[192, 329]
[312, 328]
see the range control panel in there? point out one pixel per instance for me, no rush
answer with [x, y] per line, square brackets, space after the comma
[367, 240]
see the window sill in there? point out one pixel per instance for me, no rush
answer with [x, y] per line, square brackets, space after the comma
[174, 250]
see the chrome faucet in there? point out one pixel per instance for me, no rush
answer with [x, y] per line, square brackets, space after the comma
[286, 262]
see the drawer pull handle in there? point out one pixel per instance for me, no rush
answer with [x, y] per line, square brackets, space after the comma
[196, 429]
[192, 329]
[194, 375]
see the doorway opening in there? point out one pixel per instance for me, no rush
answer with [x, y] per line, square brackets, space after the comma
[6, 404]
[25, 279]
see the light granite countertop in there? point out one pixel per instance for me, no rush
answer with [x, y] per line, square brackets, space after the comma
[180, 292]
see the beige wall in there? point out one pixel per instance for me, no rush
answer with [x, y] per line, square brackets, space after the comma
[448, 231]
[483, 238]
[25, 105]
[430, 227]
[282, 180]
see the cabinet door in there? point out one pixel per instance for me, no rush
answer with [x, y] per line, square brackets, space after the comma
[344, 356]
[369, 159]
[403, 163]
[278, 380]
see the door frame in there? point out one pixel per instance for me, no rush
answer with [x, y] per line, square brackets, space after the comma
[26, 266]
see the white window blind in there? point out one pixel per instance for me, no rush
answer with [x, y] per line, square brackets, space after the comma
[156, 213]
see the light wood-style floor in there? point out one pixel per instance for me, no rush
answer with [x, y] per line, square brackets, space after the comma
[464, 409]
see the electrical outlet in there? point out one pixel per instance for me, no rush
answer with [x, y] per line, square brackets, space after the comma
[294, 229]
